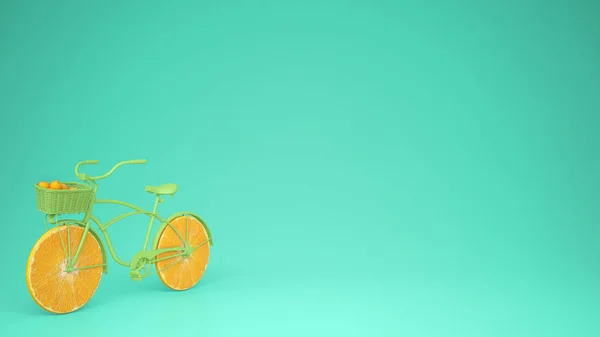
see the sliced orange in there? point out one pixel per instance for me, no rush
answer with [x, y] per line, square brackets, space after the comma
[178, 272]
[51, 286]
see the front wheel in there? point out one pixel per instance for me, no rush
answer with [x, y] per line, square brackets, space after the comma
[51, 285]
[177, 271]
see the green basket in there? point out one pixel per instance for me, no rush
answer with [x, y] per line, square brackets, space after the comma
[52, 201]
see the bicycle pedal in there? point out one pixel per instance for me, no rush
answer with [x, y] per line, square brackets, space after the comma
[135, 276]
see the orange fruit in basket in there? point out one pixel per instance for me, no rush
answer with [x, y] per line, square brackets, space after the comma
[64, 186]
[72, 188]
[55, 185]
[43, 184]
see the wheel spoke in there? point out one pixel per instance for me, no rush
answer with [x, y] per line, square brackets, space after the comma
[200, 245]
[69, 244]
[170, 265]
[92, 266]
[177, 232]
[62, 242]
[187, 231]
[168, 257]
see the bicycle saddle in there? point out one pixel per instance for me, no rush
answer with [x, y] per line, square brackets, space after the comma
[162, 189]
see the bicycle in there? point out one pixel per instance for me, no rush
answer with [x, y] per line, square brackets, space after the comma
[66, 263]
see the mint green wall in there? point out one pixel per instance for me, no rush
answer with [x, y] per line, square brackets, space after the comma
[367, 168]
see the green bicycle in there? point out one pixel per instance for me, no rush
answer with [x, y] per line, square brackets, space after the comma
[66, 264]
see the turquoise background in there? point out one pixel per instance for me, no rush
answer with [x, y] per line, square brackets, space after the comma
[367, 168]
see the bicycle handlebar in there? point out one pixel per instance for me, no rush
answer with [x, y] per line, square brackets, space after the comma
[83, 176]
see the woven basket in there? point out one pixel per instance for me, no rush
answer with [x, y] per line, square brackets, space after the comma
[64, 201]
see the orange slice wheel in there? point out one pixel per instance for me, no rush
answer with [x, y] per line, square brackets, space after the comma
[50, 284]
[179, 272]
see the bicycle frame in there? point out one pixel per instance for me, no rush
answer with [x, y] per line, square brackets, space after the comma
[141, 258]
[103, 227]
[89, 217]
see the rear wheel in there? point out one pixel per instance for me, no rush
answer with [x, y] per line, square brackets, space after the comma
[175, 270]
[51, 285]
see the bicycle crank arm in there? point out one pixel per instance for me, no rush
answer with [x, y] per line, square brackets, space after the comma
[141, 260]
